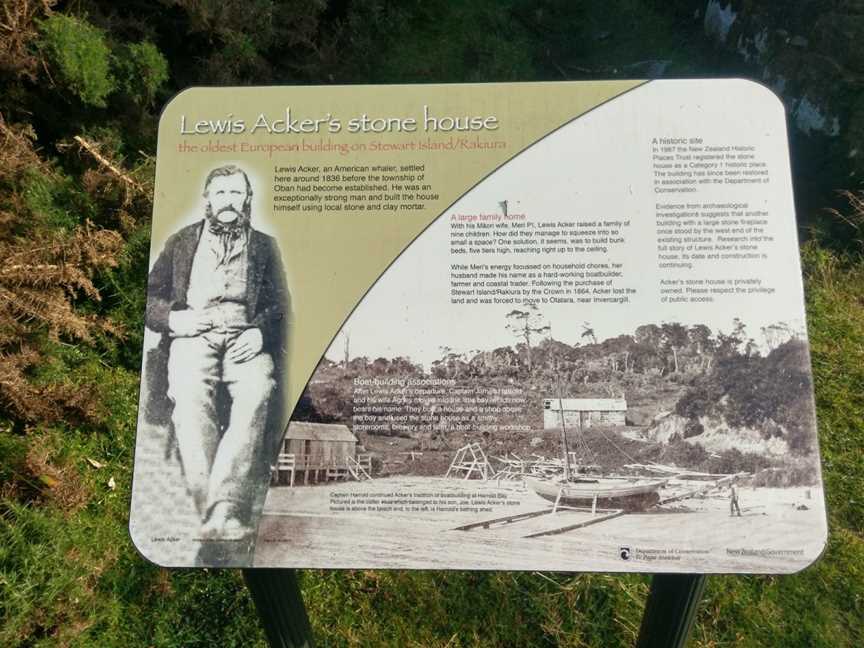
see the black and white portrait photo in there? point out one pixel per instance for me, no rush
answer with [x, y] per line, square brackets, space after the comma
[218, 299]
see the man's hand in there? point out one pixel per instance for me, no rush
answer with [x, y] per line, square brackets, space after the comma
[189, 323]
[246, 346]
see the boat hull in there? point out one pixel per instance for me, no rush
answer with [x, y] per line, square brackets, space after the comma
[606, 492]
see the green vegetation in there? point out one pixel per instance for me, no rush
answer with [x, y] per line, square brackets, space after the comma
[835, 301]
[745, 390]
[50, 199]
[74, 240]
[142, 70]
[80, 57]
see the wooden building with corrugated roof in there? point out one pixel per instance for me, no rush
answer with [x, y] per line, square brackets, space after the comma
[319, 443]
[320, 450]
[582, 413]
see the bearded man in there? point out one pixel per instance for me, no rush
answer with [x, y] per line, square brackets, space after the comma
[217, 293]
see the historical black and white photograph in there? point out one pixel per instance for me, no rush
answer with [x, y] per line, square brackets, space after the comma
[212, 397]
[546, 451]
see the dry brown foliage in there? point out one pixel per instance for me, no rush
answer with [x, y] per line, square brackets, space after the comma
[110, 167]
[17, 149]
[42, 274]
[127, 191]
[17, 30]
[47, 268]
[161, 585]
[47, 402]
[17, 158]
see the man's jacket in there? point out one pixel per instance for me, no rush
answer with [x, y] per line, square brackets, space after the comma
[268, 304]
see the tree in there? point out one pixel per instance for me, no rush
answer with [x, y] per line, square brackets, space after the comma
[526, 324]
[674, 337]
[649, 334]
[402, 366]
[730, 345]
[346, 336]
[648, 348]
[618, 349]
[776, 334]
[700, 338]
[588, 332]
[80, 58]
[451, 363]
[502, 361]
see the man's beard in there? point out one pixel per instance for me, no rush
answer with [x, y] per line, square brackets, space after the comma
[228, 234]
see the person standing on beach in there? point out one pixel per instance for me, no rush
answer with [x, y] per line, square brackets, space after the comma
[733, 500]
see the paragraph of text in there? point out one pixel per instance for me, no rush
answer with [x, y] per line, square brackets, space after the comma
[401, 407]
[353, 189]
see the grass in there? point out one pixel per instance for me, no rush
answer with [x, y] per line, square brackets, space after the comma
[835, 300]
[69, 575]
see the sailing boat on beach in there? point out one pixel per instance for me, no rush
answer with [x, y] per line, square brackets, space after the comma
[630, 493]
[576, 490]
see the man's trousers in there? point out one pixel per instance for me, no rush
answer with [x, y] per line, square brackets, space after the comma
[221, 459]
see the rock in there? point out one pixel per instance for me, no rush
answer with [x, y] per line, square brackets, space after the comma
[667, 428]
[715, 434]
[808, 51]
[661, 415]
[693, 428]
[815, 89]
[719, 17]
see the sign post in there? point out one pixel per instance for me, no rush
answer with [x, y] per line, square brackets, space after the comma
[667, 622]
[477, 326]
[277, 598]
[671, 610]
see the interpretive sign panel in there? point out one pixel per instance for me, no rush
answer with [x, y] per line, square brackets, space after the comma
[552, 326]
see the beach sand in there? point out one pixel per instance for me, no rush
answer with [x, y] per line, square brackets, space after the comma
[411, 523]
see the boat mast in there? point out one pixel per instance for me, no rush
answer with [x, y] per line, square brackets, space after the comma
[563, 425]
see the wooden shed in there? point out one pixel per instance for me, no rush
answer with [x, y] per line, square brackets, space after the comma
[320, 451]
[581, 413]
[319, 445]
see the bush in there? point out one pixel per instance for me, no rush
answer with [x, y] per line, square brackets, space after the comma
[141, 71]
[758, 392]
[686, 455]
[733, 461]
[693, 428]
[52, 199]
[80, 57]
[699, 401]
